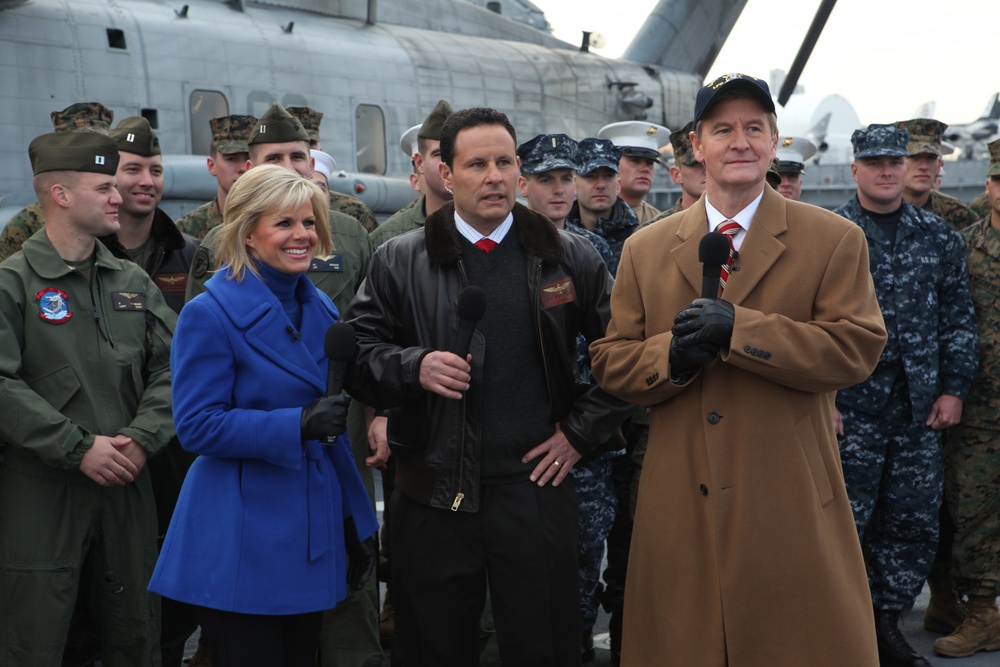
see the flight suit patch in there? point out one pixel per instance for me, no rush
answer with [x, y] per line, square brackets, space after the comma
[171, 282]
[53, 305]
[558, 292]
[128, 300]
[333, 263]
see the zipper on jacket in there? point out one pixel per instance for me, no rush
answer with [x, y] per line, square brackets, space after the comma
[460, 496]
[538, 333]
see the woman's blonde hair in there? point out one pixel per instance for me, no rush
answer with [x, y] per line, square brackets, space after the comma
[262, 191]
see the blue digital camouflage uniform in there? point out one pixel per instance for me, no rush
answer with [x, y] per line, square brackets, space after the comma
[613, 467]
[972, 450]
[615, 229]
[891, 459]
[592, 479]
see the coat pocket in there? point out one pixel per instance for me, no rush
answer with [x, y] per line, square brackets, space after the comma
[814, 458]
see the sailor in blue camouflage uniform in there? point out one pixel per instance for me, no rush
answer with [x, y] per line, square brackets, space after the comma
[892, 423]
[548, 162]
[598, 208]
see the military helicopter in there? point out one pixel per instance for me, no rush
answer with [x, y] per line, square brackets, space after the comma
[373, 67]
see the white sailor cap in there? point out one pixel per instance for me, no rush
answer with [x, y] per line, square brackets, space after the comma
[792, 154]
[946, 148]
[637, 138]
[325, 164]
[408, 142]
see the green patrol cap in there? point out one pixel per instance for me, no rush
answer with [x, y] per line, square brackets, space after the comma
[135, 135]
[925, 135]
[681, 141]
[310, 119]
[994, 168]
[83, 117]
[277, 126]
[431, 129]
[73, 151]
[230, 133]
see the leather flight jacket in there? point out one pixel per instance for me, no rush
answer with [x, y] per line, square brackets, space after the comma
[406, 309]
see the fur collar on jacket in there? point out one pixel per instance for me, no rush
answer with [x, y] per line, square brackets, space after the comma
[536, 234]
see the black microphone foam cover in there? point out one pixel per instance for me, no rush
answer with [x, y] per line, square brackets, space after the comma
[471, 303]
[339, 342]
[713, 249]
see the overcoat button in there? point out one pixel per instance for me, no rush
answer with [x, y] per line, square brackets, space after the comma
[703, 489]
[714, 418]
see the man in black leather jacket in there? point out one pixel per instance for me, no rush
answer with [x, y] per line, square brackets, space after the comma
[484, 443]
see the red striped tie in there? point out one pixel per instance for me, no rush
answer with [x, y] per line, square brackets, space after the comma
[730, 228]
[486, 245]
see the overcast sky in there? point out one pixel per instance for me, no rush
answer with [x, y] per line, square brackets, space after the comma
[883, 56]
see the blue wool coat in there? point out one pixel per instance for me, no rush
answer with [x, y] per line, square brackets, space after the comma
[258, 527]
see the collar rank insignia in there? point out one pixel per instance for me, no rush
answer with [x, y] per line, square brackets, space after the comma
[53, 305]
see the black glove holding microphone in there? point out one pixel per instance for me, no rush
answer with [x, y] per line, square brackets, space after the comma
[704, 327]
[325, 418]
[700, 331]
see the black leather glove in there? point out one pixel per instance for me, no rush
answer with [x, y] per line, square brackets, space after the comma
[686, 359]
[704, 322]
[325, 418]
[361, 556]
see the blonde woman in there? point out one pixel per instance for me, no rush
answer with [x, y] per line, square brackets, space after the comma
[268, 515]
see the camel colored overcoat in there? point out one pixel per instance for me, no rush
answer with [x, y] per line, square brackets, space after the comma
[744, 551]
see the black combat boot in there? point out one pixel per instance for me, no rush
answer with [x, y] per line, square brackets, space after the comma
[893, 649]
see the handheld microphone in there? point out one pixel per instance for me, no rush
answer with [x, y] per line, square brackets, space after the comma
[713, 253]
[470, 309]
[338, 346]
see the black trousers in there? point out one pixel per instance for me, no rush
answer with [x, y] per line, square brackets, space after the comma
[523, 542]
[252, 640]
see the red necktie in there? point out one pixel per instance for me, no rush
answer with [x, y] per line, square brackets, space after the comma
[730, 228]
[486, 245]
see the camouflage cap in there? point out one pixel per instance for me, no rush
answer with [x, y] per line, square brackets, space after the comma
[310, 119]
[596, 153]
[792, 154]
[925, 135]
[681, 141]
[773, 176]
[547, 152]
[994, 168]
[637, 138]
[880, 140]
[709, 93]
[431, 127]
[135, 135]
[230, 133]
[408, 142]
[73, 151]
[277, 126]
[83, 116]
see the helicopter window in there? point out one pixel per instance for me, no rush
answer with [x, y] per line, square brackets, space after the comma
[369, 124]
[116, 38]
[205, 105]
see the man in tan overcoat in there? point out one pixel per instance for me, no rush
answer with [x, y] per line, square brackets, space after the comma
[745, 552]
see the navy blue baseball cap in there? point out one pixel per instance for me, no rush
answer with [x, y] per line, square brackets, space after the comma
[710, 92]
